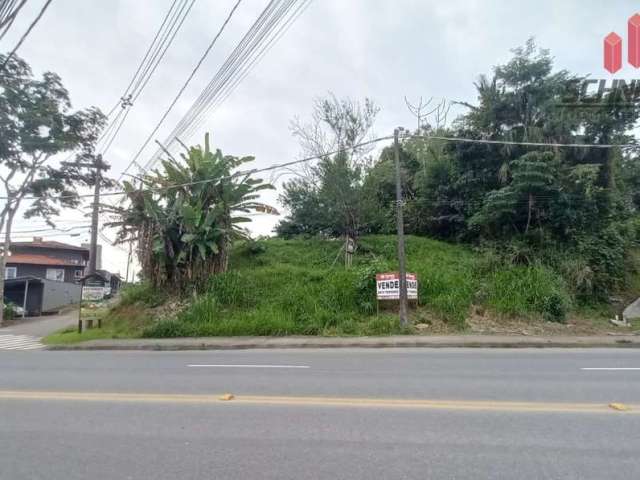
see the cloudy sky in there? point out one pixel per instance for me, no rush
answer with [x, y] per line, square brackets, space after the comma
[383, 49]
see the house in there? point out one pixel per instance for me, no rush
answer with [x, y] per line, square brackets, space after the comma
[112, 282]
[41, 276]
[50, 260]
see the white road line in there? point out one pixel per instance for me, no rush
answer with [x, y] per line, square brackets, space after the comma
[248, 366]
[19, 342]
[610, 368]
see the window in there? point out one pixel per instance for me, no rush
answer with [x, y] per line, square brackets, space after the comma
[77, 274]
[10, 272]
[56, 274]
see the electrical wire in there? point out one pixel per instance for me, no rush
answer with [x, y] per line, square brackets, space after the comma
[50, 229]
[163, 39]
[26, 34]
[182, 89]
[335, 152]
[269, 27]
[8, 15]
[228, 90]
[524, 144]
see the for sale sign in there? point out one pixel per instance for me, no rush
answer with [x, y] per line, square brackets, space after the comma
[388, 286]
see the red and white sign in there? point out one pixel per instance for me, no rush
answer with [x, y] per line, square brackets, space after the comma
[388, 286]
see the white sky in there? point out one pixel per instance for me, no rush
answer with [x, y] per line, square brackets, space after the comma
[383, 49]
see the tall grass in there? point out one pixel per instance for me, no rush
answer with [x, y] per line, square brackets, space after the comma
[300, 287]
[526, 290]
[285, 287]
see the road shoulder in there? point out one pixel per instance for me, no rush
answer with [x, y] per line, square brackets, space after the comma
[397, 341]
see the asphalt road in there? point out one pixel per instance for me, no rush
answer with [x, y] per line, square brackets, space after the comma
[314, 414]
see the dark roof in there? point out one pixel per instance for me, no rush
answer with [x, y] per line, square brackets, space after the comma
[50, 244]
[18, 280]
[36, 259]
[92, 275]
[107, 274]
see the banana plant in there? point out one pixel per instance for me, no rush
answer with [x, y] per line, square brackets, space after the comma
[186, 214]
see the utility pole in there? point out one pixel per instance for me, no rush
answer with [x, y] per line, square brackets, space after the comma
[126, 276]
[93, 252]
[404, 321]
[98, 165]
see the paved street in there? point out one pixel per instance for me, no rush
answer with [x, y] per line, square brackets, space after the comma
[310, 414]
[25, 334]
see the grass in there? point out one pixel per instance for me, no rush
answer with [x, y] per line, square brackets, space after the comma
[287, 287]
[122, 321]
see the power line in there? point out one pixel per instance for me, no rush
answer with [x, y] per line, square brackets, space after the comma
[231, 176]
[50, 229]
[241, 53]
[269, 26]
[335, 152]
[183, 88]
[154, 55]
[146, 68]
[8, 15]
[26, 34]
[28, 237]
[524, 144]
[142, 83]
[228, 90]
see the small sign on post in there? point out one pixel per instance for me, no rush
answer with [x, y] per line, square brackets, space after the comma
[93, 293]
[388, 286]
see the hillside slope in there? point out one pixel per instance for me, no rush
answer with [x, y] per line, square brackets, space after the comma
[287, 287]
[281, 287]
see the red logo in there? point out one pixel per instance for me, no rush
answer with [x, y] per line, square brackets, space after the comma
[613, 46]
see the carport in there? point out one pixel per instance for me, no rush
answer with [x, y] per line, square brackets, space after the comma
[26, 292]
[39, 295]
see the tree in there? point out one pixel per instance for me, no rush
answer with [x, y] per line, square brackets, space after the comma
[36, 124]
[184, 216]
[327, 196]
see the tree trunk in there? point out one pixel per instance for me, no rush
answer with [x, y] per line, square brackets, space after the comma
[526, 230]
[4, 256]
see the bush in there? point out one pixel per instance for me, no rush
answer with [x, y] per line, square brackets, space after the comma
[523, 291]
[141, 293]
[606, 255]
[168, 328]
[8, 311]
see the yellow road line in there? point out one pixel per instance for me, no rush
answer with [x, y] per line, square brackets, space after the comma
[468, 405]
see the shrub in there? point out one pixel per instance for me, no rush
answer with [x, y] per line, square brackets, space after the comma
[168, 328]
[8, 311]
[142, 293]
[523, 291]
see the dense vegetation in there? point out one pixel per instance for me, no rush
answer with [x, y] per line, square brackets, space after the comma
[572, 209]
[496, 230]
[284, 287]
[185, 215]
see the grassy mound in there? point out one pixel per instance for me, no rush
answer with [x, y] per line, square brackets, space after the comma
[299, 287]
[285, 287]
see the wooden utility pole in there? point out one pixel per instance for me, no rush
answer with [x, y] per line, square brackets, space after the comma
[97, 165]
[126, 276]
[93, 252]
[404, 320]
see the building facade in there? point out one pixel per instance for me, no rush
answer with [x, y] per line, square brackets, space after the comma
[50, 260]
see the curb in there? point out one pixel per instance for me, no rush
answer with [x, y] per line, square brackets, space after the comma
[249, 343]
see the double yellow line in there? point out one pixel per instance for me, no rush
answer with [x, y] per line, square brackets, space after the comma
[417, 404]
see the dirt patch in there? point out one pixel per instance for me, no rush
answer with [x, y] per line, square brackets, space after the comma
[482, 322]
